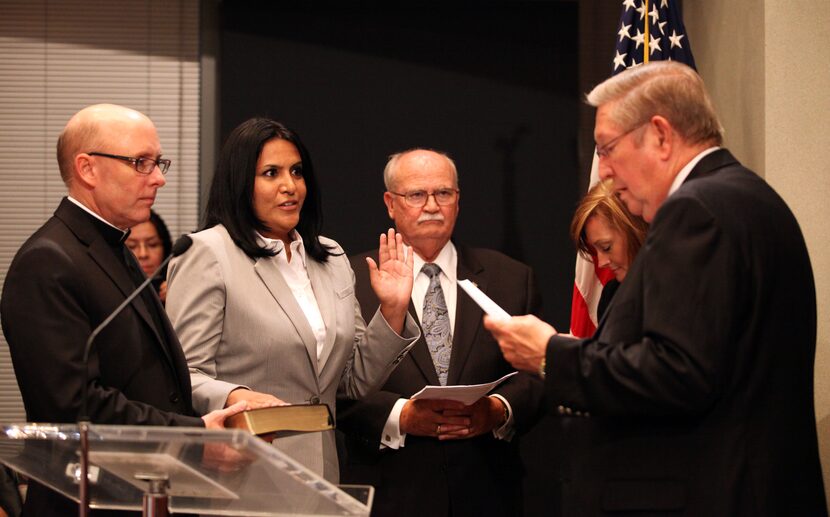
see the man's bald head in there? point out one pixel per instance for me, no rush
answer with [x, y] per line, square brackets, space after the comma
[98, 151]
[90, 129]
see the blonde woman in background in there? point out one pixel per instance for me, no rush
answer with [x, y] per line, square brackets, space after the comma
[603, 229]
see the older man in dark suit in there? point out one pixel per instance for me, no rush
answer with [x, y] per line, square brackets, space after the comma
[73, 272]
[439, 457]
[699, 379]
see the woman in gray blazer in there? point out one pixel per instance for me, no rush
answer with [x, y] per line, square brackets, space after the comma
[264, 306]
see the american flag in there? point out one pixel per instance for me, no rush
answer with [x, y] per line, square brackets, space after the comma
[649, 30]
[664, 36]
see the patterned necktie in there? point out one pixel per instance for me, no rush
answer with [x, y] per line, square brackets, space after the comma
[436, 323]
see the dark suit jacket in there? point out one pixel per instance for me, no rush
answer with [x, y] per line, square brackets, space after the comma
[699, 380]
[608, 291]
[478, 476]
[62, 283]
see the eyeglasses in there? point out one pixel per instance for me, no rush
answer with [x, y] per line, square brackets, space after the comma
[141, 165]
[605, 150]
[419, 198]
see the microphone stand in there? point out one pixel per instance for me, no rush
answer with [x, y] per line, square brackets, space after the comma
[83, 426]
[84, 421]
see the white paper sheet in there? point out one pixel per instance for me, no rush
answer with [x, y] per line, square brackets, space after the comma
[466, 394]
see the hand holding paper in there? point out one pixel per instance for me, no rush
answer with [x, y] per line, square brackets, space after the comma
[523, 340]
[485, 414]
[466, 394]
[462, 411]
[426, 417]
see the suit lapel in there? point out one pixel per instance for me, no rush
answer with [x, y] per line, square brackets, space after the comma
[468, 315]
[325, 296]
[270, 275]
[102, 254]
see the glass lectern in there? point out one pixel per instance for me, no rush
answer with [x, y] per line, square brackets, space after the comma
[212, 472]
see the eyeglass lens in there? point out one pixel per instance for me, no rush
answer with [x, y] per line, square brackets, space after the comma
[420, 197]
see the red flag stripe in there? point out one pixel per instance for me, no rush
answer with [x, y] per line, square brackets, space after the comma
[581, 324]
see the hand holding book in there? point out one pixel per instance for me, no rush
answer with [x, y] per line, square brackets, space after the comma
[283, 419]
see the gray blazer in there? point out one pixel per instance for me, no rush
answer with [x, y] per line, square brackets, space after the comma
[240, 325]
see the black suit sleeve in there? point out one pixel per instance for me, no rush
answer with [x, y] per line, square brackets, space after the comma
[670, 353]
[45, 316]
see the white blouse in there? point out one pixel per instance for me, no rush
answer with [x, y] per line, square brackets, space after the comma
[295, 274]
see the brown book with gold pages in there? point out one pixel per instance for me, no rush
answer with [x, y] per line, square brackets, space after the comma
[276, 419]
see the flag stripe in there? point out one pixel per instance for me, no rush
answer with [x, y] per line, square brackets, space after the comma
[581, 322]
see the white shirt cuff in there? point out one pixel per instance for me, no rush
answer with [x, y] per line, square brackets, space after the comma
[392, 436]
[506, 431]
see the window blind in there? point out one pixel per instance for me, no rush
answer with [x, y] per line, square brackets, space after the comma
[57, 56]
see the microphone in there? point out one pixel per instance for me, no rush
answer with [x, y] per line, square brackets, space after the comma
[182, 245]
[179, 248]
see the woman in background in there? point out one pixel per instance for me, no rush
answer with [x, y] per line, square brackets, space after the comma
[604, 228]
[264, 306]
[150, 243]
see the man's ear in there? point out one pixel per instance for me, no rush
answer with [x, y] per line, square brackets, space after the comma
[389, 200]
[85, 171]
[665, 135]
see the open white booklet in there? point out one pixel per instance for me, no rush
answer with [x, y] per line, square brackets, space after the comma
[490, 307]
[466, 393]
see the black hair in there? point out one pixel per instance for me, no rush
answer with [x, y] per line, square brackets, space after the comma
[166, 246]
[230, 202]
[164, 233]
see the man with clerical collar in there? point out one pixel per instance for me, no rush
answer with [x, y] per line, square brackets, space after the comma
[73, 272]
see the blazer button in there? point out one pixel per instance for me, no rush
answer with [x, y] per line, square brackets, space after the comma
[314, 400]
[174, 398]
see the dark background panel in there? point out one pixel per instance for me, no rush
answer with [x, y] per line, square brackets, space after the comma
[494, 85]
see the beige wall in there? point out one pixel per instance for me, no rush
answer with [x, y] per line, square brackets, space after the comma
[765, 65]
[797, 105]
[727, 38]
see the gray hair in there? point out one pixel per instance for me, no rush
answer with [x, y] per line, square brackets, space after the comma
[666, 88]
[75, 138]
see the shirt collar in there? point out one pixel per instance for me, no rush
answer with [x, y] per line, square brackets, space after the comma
[122, 234]
[687, 169]
[277, 245]
[447, 260]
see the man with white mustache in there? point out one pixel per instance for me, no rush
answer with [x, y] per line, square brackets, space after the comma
[440, 457]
